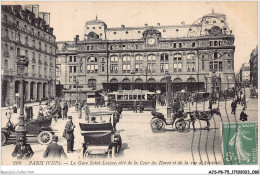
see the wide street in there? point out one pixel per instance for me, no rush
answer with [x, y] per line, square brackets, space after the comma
[140, 143]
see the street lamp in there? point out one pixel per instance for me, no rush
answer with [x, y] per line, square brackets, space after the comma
[168, 87]
[22, 65]
[49, 90]
[76, 82]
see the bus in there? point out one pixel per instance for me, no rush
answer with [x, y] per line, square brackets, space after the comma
[126, 98]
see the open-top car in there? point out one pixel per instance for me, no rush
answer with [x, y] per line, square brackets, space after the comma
[35, 128]
[100, 138]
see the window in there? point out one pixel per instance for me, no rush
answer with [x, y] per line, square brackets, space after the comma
[32, 31]
[40, 45]
[18, 37]
[164, 57]
[216, 66]
[18, 52]
[39, 71]
[6, 65]
[6, 49]
[39, 34]
[174, 45]
[113, 68]
[203, 65]
[138, 63]
[33, 69]
[70, 69]
[151, 61]
[138, 58]
[180, 45]
[190, 57]
[6, 33]
[215, 55]
[177, 63]
[45, 47]
[92, 65]
[26, 40]
[191, 67]
[75, 58]
[92, 83]
[33, 43]
[26, 53]
[75, 69]
[103, 67]
[70, 58]
[17, 24]
[126, 64]
[25, 28]
[114, 59]
[229, 64]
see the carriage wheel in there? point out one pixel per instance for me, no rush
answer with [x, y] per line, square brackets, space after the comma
[157, 124]
[45, 138]
[3, 138]
[182, 125]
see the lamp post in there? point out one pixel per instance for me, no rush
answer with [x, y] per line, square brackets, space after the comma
[49, 90]
[22, 64]
[76, 106]
[168, 87]
[132, 73]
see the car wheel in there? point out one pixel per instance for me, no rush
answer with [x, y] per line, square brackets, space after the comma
[157, 124]
[45, 138]
[3, 138]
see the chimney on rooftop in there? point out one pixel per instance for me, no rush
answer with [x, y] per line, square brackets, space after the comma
[46, 18]
[29, 7]
[182, 23]
[36, 10]
[123, 26]
[158, 24]
[145, 24]
[41, 14]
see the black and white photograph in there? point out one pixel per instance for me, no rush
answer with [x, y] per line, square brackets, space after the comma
[129, 83]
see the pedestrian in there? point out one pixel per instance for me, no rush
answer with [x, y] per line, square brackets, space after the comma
[233, 106]
[243, 115]
[141, 106]
[135, 107]
[119, 110]
[65, 110]
[22, 150]
[80, 110]
[40, 114]
[40, 101]
[54, 150]
[210, 104]
[87, 112]
[70, 135]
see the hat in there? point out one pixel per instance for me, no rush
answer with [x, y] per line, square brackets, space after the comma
[70, 117]
[55, 138]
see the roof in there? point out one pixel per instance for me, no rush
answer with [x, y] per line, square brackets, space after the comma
[95, 21]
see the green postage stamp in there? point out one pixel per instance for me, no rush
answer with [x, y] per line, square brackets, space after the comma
[239, 143]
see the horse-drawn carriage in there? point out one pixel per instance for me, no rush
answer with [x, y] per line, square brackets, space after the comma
[253, 93]
[101, 138]
[35, 128]
[180, 119]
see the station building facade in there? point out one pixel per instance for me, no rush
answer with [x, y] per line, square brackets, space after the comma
[27, 32]
[140, 57]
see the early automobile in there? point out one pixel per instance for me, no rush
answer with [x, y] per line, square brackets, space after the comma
[35, 128]
[100, 138]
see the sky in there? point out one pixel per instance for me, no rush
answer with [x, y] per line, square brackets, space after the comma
[68, 18]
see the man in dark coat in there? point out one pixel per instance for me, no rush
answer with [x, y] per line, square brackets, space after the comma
[22, 150]
[54, 150]
[243, 115]
[65, 110]
[135, 107]
[70, 134]
[233, 106]
[141, 107]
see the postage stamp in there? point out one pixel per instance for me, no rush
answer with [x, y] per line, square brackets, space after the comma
[239, 143]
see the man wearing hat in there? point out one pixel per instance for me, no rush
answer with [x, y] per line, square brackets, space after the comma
[54, 150]
[70, 134]
[243, 115]
[40, 113]
[22, 150]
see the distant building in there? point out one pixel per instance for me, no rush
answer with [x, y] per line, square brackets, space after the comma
[254, 67]
[244, 74]
[139, 57]
[27, 32]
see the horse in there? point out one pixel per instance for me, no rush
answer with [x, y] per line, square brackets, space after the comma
[204, 116]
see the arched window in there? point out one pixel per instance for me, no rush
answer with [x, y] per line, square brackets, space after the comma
[177, 63]
[191, 80]
[18, 52]
[191, 62]
[114, 64]
[126, 64]
[138, 80]
[177, 80]
[151, 62]
[113, 80]
[138, 63]
[164, 63]
[126, 80]
[151, 80]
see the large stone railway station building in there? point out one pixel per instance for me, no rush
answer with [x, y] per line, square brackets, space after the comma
[198, 56]
[26, 32]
